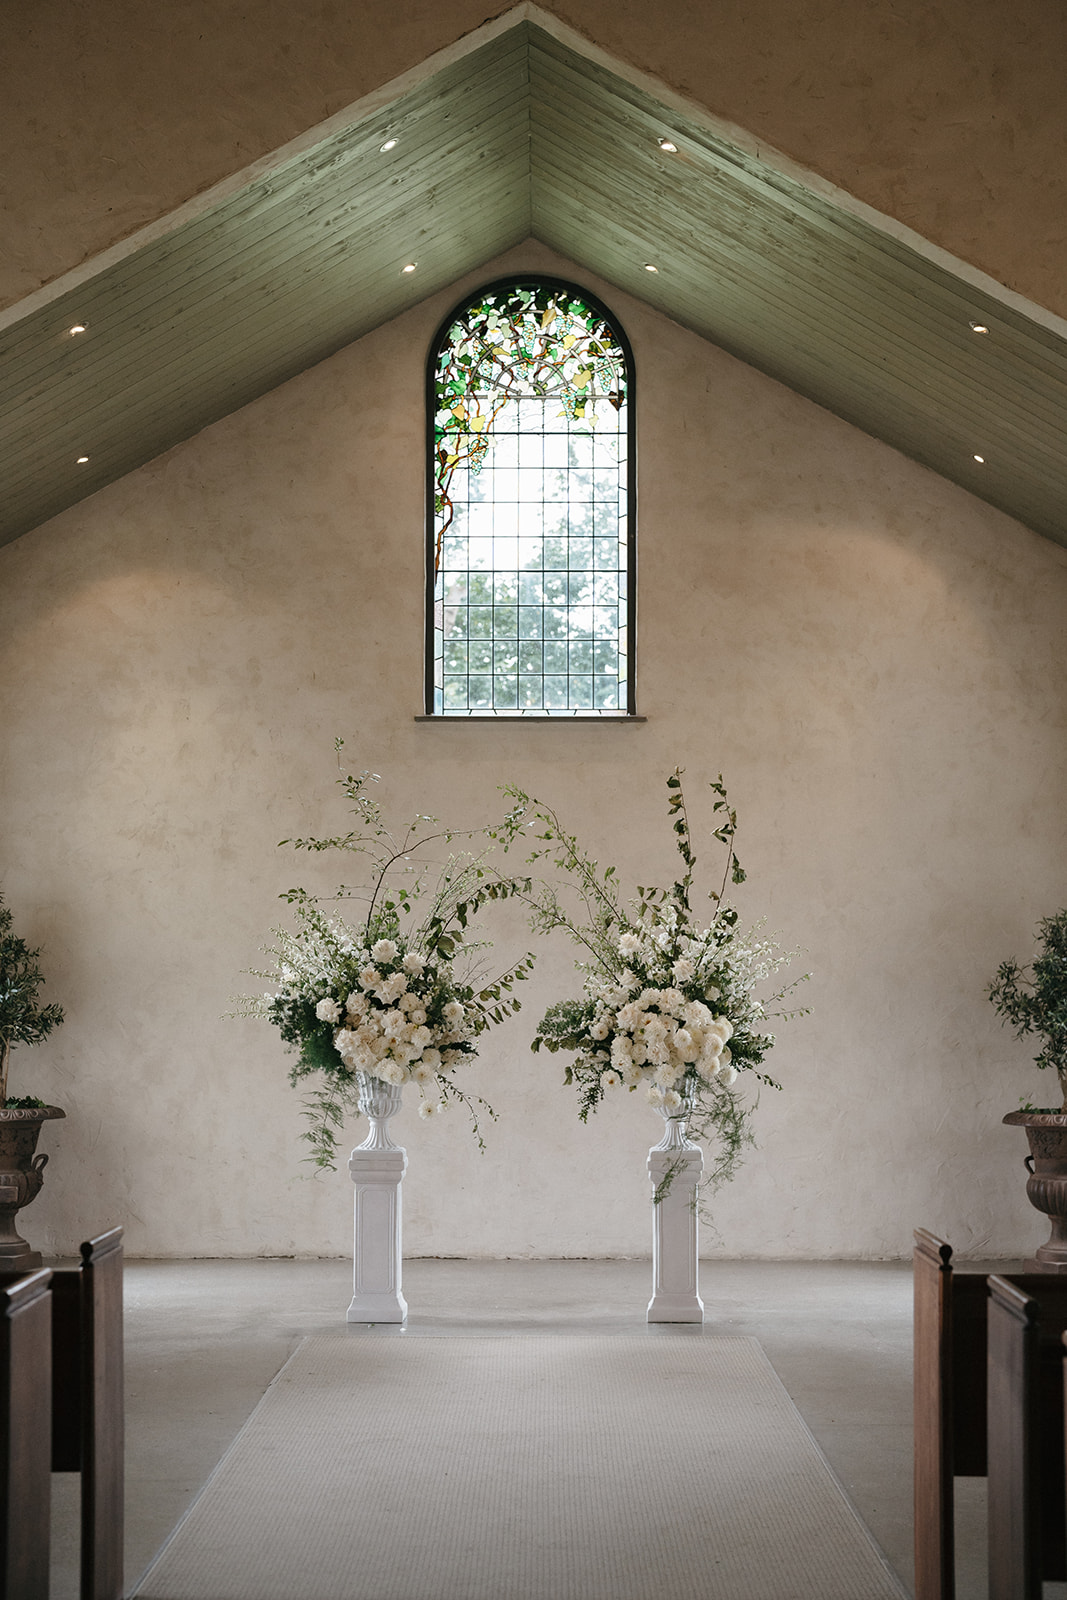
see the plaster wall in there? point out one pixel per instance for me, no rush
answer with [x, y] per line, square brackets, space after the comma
[948, 116]
[872, 658]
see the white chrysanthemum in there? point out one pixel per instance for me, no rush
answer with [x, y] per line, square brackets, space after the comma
[723, 1027]
[421, 1036]
[655, 1094]
[453, 1012]
[600, 1028]
[667, 1074]
[384, 950]
[672, 1100]
[414, 964]
[328, 1011]
[630, 1017]
[392, 1072]
[728, 1073]
[687, 1047]
[431, 1059]
[621, 1051]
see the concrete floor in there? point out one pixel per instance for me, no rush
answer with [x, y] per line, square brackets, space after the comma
[205, 1338]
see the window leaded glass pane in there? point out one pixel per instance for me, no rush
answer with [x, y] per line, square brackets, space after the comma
[530, 546]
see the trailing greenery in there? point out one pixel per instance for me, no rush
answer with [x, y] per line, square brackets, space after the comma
[1036, 1001]
[23, 1020]
[401, 994]
[667, 1003]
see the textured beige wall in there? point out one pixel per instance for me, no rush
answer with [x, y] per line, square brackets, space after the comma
[950, 117]
[873, 658]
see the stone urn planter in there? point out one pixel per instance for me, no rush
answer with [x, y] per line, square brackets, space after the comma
[1046, 1188]
[21, 1176]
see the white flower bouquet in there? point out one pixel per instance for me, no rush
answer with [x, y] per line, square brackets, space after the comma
[387, 997]
[667, 1004]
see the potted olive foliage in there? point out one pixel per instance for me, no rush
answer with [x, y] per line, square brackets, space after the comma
[1034, 1001]
[23, 1020]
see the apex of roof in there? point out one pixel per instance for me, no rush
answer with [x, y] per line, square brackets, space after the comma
[523, 127]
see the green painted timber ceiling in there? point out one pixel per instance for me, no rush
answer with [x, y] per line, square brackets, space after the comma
[523, 129]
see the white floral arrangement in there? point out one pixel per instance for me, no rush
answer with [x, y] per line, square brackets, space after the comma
[667, 1003]
[386, 999]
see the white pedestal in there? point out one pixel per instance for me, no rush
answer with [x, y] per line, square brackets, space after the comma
[377, 1167]
[675, 1289]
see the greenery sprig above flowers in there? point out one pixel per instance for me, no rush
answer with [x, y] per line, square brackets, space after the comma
[23, 1020]
[398, 996]
[1038, 1003]
[667, 1002]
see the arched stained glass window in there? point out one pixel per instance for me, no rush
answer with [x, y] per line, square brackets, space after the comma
[530, 565]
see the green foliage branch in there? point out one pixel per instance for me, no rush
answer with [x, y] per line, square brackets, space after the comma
[1035, 1001]
[23, 1020]
[408, 965]
[667, 1002]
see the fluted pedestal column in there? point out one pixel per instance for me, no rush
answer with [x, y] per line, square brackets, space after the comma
[377, 1167]
[675, 1287]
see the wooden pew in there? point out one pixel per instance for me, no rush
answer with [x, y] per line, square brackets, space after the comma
[26, 1401]
[87, 1405]
[1027, 1525]
[951, 1405]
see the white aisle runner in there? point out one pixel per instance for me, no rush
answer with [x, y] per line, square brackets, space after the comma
[515, 1468]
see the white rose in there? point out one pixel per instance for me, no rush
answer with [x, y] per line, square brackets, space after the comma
[426, 1109]
[414, 964]
[328, 1011]
[453, 1012]
[682, 970]
[384, 950]
[629, 944]
[610, 1079]
[369, 977]
[599, 1029]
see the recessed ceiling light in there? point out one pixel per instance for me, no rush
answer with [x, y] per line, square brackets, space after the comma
[79, 327]
[980, 460]
[668, 145]
[82, 460]
[978, 327]
[390, 144]
[650, 268]
[410, 266]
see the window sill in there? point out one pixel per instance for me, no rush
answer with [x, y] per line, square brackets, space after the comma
[539, 718]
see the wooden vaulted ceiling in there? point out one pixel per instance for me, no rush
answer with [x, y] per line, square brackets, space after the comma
[524, 129]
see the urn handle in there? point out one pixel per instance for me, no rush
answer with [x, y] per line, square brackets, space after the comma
[40, 1161]
[1028, 1163]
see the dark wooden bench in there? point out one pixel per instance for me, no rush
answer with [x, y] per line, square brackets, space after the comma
[1027, 1526]
[25, 1434]
[952, 1384]
[87, 1412]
